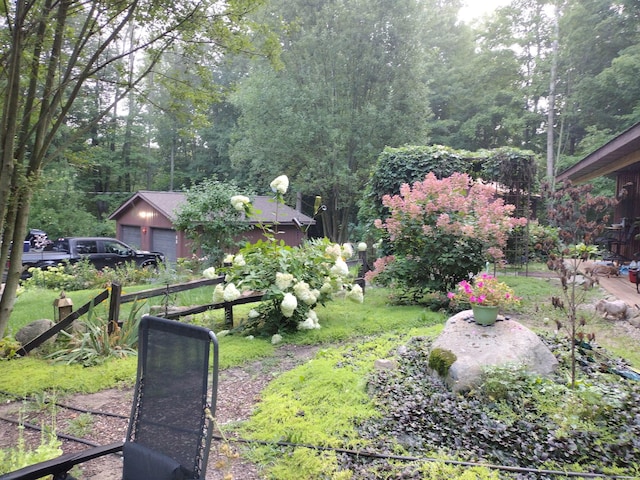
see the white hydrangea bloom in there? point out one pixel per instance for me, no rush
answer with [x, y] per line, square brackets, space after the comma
[304, 293]
[306, 325]
[209, 273]
[333, 251]
[231, 293]
[283, 280]
[280, 184]
[356, 294]
[218, 294]
[288, 305]
[228, 258]
[347, 250]
[253, 313]
[340, 268]
[239, 261]
[326, 287]
[239, 202]
[310, 323]
[276, 339]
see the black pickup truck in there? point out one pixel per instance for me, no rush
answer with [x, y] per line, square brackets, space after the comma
[99, 251]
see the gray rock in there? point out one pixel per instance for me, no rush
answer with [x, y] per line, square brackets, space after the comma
[33, 330]
[384, 364]
[475, 347]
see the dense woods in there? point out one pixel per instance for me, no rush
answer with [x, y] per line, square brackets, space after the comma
[100, 99]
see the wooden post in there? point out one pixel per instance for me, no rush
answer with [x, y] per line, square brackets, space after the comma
[228, 314]
[114, 308]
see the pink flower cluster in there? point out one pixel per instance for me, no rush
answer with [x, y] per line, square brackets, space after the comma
[485, 290]
[456, 205]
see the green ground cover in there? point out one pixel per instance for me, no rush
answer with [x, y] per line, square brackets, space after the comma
[325, 401]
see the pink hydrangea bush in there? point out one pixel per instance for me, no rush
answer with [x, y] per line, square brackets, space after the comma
[441, 231]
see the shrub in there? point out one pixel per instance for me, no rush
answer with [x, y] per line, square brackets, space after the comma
[443, 230]
[293, 280]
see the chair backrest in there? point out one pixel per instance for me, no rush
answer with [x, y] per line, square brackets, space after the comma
[170, 428]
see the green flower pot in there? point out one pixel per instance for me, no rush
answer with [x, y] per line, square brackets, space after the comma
[485, 315]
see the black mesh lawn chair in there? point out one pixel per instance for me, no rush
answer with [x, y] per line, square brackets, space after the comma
[170, 427]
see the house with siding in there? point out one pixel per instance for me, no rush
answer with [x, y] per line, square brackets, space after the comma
[618, 159]
[145, 221]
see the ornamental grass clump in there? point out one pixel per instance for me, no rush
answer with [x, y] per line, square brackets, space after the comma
[485, 290]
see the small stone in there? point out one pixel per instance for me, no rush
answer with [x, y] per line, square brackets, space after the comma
[384, 364]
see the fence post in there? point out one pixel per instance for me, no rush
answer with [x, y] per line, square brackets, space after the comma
[228, 314]
[114, 307]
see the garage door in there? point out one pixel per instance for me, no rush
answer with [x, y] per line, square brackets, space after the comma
[165, 241]
[132, 236]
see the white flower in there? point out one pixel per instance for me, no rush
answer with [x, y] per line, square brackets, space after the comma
[356, 294]
[347, 250]
[228, 258]
[209, 273]
[362, 247]
[306, 325]
[239, 261]
[253, 313]
[340, 268]
[240, 202]
[288, 305]
[326, 287]
[310, 323]
[231, 293]
[280, 185]
[218, 294]
[283, 280]
[276, 339]
[305, 294]
[333, 251]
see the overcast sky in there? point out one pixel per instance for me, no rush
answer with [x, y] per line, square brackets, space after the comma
[478, 8]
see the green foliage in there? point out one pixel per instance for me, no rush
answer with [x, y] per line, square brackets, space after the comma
[82, 275]
[511, 167]
[441, 360]
[9, 347]
[543, 240]
[28, 375]
[81, 425]
[21, 455]
[396, 166]
[91, 344]
[514, 419]
[319, 402]
[209, 219]
[59, 207]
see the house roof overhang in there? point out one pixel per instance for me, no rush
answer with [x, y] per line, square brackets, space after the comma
[616, 155]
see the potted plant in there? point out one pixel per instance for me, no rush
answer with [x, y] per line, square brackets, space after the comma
[486, 295]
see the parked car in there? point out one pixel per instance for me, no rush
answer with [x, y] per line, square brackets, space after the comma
[100, 251]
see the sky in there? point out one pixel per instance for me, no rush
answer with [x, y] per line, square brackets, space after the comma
[477, 8]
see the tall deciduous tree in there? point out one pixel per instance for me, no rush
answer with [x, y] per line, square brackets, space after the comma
[353, 81]
[51, 52]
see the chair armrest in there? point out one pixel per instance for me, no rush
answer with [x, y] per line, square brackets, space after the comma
[61, 464]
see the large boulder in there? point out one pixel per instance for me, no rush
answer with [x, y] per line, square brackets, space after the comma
[33, 330]
[476, 347]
